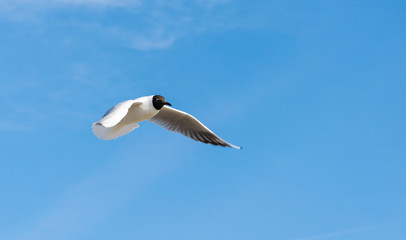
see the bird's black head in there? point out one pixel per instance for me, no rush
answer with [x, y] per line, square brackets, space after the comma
[158, 101]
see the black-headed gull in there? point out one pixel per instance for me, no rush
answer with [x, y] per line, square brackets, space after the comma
[125, 116]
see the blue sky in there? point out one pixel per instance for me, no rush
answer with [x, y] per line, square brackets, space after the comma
[313, 90]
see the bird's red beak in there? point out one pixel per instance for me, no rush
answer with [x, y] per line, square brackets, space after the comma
[166, 103]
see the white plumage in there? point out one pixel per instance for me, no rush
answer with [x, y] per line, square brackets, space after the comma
[124, 118]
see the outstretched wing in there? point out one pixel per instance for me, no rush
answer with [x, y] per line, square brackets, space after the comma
[110, 126]
[184, 123]
[115, 114]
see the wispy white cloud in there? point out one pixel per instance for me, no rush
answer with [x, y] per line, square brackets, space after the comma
[63, 3]
[333, 235]
[112, 3]
[149, 25]
[152, 43]
[156, 37]
[11, 126]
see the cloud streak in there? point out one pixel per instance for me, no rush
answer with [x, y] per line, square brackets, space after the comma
[152, 43]
[64, 3]
[149, 25]
[339, 233]
[11, 126]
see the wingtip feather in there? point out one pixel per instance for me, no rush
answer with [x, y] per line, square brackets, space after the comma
[236, 147]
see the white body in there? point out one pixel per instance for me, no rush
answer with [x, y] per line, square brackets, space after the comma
[140, 112]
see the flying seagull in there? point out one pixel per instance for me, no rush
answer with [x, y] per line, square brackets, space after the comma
[125, 116]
